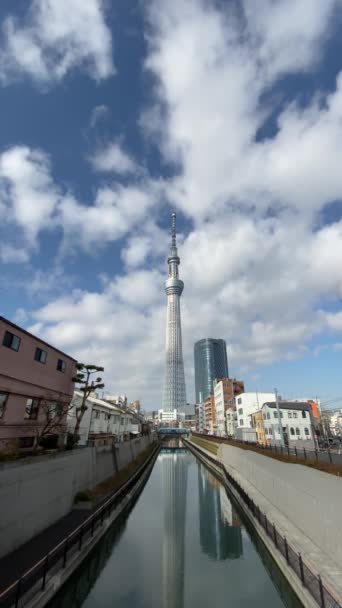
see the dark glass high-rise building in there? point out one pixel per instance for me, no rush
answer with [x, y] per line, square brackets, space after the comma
[210, 362]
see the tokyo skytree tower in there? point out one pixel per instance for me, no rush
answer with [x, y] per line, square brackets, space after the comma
[174, 396]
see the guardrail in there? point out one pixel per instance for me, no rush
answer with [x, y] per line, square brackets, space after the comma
[310, 580]
[303, 453]
[36, 578]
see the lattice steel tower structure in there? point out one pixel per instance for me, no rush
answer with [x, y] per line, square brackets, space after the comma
[174, 396]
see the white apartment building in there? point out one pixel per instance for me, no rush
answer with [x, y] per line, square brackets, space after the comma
[296, 420]
[249, 403]
[220, 408]
[100, 420]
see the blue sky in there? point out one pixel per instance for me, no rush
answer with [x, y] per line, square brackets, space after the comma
[115, 113]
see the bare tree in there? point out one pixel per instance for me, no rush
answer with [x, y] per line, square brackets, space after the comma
[52, 419]
[87, 386]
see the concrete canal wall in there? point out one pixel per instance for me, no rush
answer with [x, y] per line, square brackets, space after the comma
[302, 504]
[310, 499]
[36, 492]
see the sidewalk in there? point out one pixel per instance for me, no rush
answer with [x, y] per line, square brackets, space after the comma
[15, 564]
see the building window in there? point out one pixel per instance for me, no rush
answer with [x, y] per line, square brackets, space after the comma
[289, 414]
[268, 416]
[240, 411]
[32, 407]
[61, 365]
[292, 430]
[303, 414]
[241, 421]
[97, 414]
[306, 431]
[295, 414]
[281, 414]
[11, 341]
[40, 355]
[297, 431]
[26, 442]
[275, 414]
[3, 399]
[239, 401]
[264, 416]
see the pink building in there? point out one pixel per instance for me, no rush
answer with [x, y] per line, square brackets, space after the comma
[32, 374]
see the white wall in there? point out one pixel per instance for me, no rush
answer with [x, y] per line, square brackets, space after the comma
[249, 403]
[310, 499]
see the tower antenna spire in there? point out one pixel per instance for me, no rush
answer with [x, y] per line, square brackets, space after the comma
[173, 230]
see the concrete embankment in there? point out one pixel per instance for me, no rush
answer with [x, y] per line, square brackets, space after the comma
[36, 492]
[303, 505]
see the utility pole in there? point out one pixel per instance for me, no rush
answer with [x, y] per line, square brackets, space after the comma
[279, 419]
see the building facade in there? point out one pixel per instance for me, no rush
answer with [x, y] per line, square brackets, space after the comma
[168, 417]
[187, 417]
[211, 362]
[249, 403]
[296, 421]
[258, 425]
[210, 423]
[231, 421]
[102, 423]
[174, 395]
[33, 376]
[225, 391]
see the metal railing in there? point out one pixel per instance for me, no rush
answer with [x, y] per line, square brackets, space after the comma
[35, 579]
[309, 579]
[302, 453]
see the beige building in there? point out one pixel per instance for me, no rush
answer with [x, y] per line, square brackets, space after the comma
[33, 374]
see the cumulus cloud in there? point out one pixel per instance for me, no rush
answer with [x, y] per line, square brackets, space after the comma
[114, 159]
[259, 267]
[54, 37]
[34, 202]
[27, 189]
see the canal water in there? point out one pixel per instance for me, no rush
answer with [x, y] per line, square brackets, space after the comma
[184, 544]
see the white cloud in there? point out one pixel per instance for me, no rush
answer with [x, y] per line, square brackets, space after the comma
[257, 264]
[34, 202]
[28, 189]
[113, 159]
[55, 37]
[211, 70]
[13, 255]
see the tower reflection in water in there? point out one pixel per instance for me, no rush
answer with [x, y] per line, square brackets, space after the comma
[175, 479]
[220, 526]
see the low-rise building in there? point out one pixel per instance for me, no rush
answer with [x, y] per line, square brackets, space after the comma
[102, 422]
[168, 417]
[225, 391]
[35, 378]
[210, 424]
[295, 419]
[336, 423]
[249, 403]
[187, 416]
[258, 425]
